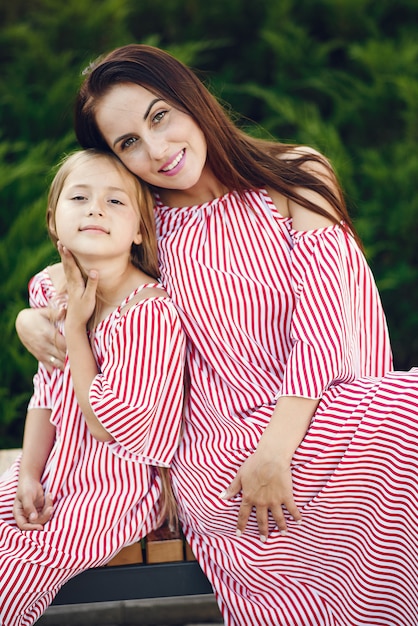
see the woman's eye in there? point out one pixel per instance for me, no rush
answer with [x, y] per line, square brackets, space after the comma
[157, 118]
[128, 143]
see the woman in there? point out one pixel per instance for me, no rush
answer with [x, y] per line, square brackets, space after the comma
[294, 442]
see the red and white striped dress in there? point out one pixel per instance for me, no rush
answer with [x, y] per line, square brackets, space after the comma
[269, 311]
[105, 494]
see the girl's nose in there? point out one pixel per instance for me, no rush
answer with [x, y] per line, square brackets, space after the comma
[95, 209]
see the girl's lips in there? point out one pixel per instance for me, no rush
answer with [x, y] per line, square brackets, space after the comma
[172, 168]
[94, 228]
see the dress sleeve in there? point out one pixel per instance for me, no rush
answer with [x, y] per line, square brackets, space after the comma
[40, 290]
[46, 386]
[339, 330]
[42, 390]
[138, 395]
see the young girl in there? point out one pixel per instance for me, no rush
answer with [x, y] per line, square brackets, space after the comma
[88, 481]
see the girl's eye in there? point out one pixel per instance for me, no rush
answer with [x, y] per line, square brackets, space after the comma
[115, 201]
[78, 198]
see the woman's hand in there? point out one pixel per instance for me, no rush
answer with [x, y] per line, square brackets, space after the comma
[37, 331]
[32, 508]
[265, 479]
[266, 485]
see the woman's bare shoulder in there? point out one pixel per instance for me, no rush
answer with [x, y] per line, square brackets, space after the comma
[315, 163]
[280, 201]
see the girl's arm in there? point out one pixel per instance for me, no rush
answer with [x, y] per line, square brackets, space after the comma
[83, 369]
[135, 400]
[83, 366]
[138, 394]
[32, 507]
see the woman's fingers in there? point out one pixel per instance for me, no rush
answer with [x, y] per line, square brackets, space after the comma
[265, 493]
[243, 517]
[262, 514]
[56, 358]
[279, 518]
[37, 334]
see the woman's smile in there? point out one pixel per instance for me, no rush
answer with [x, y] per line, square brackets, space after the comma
[173, 167]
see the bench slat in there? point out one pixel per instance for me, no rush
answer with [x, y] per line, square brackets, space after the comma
[135, 582]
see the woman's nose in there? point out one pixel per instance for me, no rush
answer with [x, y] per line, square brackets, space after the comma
[157, 147]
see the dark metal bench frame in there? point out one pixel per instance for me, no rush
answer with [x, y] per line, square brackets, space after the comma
[135, 582]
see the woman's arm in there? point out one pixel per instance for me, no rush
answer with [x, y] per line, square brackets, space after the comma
[39, 335]
[32, 507]
[265, 478]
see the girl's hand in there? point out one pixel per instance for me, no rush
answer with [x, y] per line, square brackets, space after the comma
[32, 508]
[266, 485]
[37, 331]
[81, 294]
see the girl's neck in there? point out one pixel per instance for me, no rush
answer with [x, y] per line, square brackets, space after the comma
[117, 283]
[113, 296]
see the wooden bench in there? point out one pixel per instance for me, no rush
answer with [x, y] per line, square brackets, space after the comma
[160, 566]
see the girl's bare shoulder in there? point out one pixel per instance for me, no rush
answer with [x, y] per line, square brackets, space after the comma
[57, 276]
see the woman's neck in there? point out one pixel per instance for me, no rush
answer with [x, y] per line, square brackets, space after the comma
[208, 188]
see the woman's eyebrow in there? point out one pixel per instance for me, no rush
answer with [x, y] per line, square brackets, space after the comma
[151, 104]
[126, 135]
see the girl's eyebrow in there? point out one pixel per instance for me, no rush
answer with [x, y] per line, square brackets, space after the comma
[83, 186]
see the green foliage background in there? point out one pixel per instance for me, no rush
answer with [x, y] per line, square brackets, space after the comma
[340, 75]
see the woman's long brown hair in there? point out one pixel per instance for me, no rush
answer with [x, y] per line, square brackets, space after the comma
[238, 160]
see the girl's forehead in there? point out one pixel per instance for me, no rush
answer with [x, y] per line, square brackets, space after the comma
[98, 169]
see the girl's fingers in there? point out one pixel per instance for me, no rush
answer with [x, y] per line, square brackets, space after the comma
[72, 273]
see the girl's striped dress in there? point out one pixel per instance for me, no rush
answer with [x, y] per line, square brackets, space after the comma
[105, 494]
[269, 311]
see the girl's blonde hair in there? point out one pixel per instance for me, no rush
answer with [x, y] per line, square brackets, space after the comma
[144, 256]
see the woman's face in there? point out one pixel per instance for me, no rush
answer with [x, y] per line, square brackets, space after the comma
[159, 143]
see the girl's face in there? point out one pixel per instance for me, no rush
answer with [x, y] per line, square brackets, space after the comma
[159, 143]
[97, 215]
